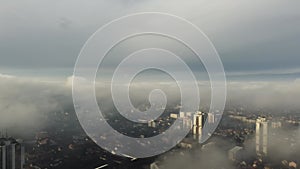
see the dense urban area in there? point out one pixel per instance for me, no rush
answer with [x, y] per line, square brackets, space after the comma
[243, 140]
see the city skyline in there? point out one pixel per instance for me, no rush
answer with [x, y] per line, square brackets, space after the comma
[149, 84]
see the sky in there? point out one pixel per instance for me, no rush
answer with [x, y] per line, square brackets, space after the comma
[255, 39]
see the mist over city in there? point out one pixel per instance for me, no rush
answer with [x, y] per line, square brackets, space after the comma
[237, 106]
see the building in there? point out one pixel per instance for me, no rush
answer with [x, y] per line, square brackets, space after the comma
[188, 143]
[198, 123]
[186, 119]
[174, 116]
[152, 124]
[235, 153]
[185, 114]
[181, 114]
[12, 153]
[276, 124]
[186, 123]
[261, 137]
[210, 118]
[154, 166]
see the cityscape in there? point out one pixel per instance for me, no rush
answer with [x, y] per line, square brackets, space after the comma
[242, 141]
[149, 84]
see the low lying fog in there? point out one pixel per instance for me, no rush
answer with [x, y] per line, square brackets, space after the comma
[24, 100]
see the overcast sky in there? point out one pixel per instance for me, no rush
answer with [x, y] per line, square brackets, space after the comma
[44, 37]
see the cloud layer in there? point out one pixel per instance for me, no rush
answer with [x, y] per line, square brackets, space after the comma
[25, 101]
[249, 35]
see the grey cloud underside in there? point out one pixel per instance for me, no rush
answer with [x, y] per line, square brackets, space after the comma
[249, 35]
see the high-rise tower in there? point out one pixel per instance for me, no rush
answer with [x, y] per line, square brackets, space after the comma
[261, 137]
[12, 154]
[210, 118]
[198, 122]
